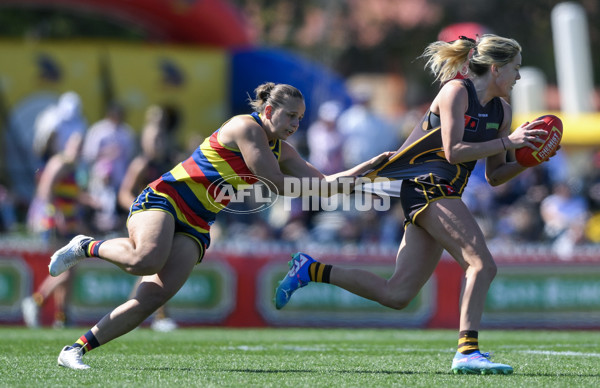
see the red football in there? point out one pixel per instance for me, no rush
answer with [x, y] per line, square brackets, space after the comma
[528, 157]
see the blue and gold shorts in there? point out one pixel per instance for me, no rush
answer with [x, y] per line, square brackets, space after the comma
[149, 200]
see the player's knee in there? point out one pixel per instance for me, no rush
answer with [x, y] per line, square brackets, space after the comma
[143, 265]
[487, 270]
[158, 299]
[151, 302]
[397, 301]
[490, 269]
[144, 269]
[493, 270]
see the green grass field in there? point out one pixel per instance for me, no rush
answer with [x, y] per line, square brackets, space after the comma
[205, 357]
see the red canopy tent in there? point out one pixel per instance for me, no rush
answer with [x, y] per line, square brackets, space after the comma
[206, 22]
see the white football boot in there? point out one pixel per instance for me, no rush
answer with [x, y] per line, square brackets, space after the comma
[68, 256]
[71, 358]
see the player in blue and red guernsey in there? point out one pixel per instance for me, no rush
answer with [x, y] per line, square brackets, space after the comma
[170, 220]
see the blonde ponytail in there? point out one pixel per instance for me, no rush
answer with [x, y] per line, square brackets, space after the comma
[447, 59]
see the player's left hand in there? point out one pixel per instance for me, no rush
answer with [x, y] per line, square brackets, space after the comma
[379, 158]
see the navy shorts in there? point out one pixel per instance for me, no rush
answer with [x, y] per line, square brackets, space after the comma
[417, 193]
[149, 200]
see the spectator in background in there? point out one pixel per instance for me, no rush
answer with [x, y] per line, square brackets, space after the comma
[564, 213]
[8, 216]
[143, 169]
[592, 193]
[515, 206]
[325, 142]
[55, 125]
[108, 149]
[54, 214]
[519, 222]
[325, 152]
[478, 195]
[366, 134]
[153, 160]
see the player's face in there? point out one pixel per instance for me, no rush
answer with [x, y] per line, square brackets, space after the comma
[508, 76]
[286, 118]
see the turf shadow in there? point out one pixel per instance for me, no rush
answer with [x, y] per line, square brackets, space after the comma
[385, 372]
[596, 375]
[375, 372]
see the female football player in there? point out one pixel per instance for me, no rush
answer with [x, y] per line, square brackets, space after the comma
[468, 120]
[169, 222]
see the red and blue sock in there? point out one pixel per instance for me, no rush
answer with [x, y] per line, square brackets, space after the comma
[92, 248]
[87, 341]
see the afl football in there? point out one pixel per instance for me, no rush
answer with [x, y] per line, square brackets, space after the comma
[528, 157]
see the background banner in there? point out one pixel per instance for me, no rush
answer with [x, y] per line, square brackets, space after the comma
[191, 81]
[32, 77]
[234, 287]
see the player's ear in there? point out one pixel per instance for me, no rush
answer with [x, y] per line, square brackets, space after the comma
[268, 112]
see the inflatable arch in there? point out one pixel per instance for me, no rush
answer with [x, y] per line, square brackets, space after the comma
[205, 22]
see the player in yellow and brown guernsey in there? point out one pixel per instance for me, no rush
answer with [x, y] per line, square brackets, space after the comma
[468, 120]
[170, 220]
[421, 161]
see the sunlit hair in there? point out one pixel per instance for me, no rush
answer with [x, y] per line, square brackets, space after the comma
[273, 94]
[447, 59]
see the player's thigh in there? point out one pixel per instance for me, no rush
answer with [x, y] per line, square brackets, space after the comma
[418, 255]
[455, 228]
[182, 259]
[152, 233]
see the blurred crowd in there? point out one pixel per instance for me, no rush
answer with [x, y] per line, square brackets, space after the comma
[86, 178]
[89, 174]
[556, 203]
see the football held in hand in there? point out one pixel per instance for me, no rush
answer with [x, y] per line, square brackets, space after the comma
[528, 157]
